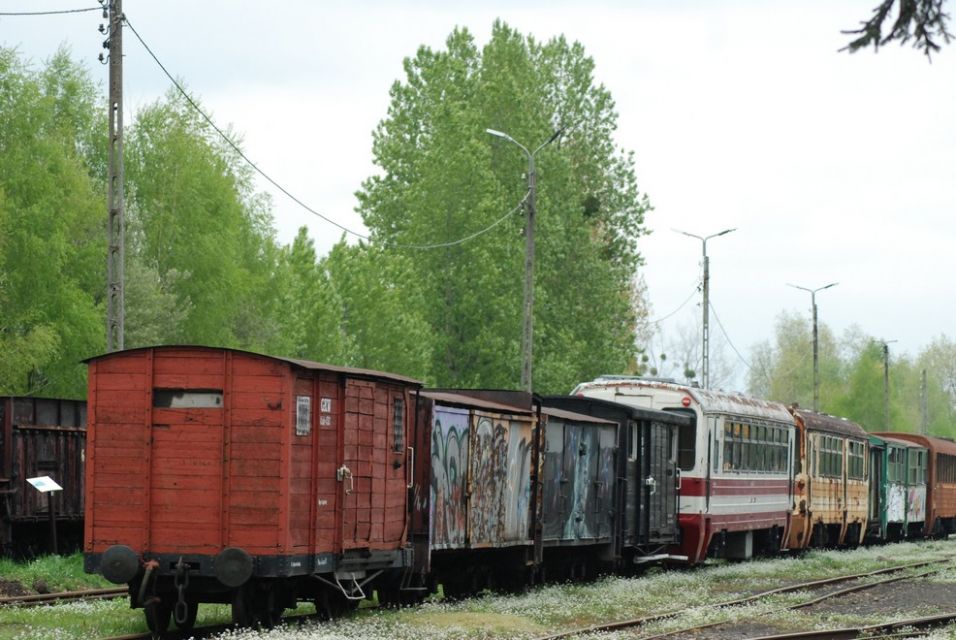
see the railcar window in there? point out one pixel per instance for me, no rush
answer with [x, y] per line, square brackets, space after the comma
[896, 472]
[917, 470]
[946, 468]
[758, 448]
[303, 415]
[187, 398]
[855, 457]
[831, 457]
[398, 423]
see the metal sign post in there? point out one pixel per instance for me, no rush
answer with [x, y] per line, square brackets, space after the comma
[47, 485]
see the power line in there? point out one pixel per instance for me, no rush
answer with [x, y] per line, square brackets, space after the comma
[468, 237]
[232, 144]
[48, 13]
[682, 305]
[296, 200]
[724, 331]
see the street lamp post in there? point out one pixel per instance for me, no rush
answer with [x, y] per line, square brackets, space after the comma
[527, 330]
[705, 341]
[816, 361]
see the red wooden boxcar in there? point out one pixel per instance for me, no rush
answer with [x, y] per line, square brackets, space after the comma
[217, 475]
[940, 482]
[41, 437]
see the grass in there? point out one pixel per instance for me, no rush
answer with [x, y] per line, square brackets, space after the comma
[542, 610]
[61, 573]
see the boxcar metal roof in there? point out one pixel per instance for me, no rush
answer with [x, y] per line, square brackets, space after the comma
[581, 403]
[936, 445]
[832, 424]
[893, 439]
[521, 400]
[304, 364]
[574, 416]
[451, 397]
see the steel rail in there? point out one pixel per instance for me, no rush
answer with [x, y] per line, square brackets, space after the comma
[62, 596]
[636, 622]
[854, 632]
[801, 605]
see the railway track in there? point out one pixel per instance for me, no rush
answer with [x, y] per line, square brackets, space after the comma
[871, 632]
[63, 596]
[638, 622]
[197, 633]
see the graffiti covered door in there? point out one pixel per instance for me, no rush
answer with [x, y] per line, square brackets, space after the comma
[449, 477]
[499, 480]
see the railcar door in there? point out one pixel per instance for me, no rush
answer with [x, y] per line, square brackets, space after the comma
[374, 466]
[877, 480]
[658, 482]
[185, 462]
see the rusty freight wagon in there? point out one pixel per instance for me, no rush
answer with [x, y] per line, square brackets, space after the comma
[218, 475]
[830, 481]
[646, 499]
[476, 509]
[940, 482]
[41, 437]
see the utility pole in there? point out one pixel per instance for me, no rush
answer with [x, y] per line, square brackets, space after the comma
[705, 342]
[886, 384]
[527, 325]
[816, 359]
[116, 256]
[923, 405]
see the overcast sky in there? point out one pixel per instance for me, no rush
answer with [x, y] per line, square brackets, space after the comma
[741, 114]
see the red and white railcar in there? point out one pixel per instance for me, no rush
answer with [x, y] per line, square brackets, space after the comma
[735, 460]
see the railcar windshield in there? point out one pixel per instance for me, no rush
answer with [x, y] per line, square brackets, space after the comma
[686, 439]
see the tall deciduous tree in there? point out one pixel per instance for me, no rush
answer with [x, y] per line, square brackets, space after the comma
[196, 221]
[444, 178]
[51, 214]
[309, 310]
[783, 369]
[851, 377]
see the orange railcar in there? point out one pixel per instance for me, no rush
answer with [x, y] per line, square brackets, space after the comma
[251, 480]
[830, 481]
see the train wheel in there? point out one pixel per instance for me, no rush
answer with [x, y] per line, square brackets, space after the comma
[158, 615]
[244, 612]
[192, 610]
[322, 608]
[332, 604]
[268, 612]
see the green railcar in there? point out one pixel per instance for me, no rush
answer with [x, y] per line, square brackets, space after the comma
[897, 489]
